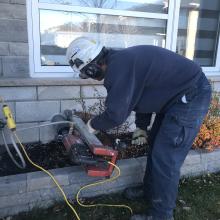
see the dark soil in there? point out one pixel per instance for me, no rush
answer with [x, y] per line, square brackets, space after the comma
[122, 143]
[53, 154]
[49, 156]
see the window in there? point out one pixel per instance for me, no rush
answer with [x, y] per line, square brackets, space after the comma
[116, 23]
[155, 6]
[113, 31]
[188, 27]
[198, 31]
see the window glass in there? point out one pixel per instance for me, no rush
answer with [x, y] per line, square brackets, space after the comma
[112, 31]
[198, 31]
[157, 6]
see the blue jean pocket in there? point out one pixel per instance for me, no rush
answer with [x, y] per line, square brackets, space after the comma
[173, 131]
[178, 132]
[179, 140]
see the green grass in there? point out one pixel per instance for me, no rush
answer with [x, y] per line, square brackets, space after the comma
[199, 199]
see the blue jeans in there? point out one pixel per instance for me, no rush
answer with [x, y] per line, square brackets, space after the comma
[170, 140]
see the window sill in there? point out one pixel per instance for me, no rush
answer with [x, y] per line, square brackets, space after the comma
[5, 82]
[214, 78]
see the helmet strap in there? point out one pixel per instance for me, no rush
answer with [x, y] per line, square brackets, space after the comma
[94, 71]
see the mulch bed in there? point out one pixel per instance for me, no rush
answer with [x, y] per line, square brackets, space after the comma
[53, 154]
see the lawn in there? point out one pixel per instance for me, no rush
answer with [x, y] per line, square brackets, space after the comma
[199, 199]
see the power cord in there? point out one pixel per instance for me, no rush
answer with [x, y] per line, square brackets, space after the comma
[82, 188]
[2, 124]
[99, 183]
[12, 126]
[48, 173]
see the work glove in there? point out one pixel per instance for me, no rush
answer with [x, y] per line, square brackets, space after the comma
[139, 137]
[90, 128]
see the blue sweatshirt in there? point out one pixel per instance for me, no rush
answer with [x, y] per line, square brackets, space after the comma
[143, 79]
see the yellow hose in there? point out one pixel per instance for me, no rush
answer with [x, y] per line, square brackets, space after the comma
[48, 173]
[99, 183]
[82, 188]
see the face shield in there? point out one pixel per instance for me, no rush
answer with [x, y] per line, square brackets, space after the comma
[92, 70]
[80, 55]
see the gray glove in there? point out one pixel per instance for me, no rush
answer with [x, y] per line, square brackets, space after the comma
[139, 137]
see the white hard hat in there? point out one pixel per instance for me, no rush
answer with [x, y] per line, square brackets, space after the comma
[82, 51]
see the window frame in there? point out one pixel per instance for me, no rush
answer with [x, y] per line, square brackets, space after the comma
[33, 19]
[209, 71]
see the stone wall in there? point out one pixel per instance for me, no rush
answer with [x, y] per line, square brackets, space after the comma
[13, 39]
[33, 105]
[19, 193]
[34, 102]
[14, 56]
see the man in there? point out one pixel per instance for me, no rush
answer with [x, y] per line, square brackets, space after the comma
[148, 79]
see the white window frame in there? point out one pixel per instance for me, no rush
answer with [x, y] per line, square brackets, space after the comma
[209, 71]
[33, 8]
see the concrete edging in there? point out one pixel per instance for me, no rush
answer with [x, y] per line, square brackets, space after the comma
[23, 192]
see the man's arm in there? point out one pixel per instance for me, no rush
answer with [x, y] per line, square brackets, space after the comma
[124, 91]
[118, 104]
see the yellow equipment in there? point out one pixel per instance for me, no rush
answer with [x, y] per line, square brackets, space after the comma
[9, 118]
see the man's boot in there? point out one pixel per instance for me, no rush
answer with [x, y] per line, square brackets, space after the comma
[147, 217]
[134, 193]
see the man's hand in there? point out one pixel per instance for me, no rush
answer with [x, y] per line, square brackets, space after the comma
[139, 137]
[90, 128]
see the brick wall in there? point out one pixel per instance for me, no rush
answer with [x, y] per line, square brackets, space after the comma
[33, 105]
[216, 86]
[13, 39]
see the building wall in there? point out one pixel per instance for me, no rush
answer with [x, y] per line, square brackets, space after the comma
[13, 39]
[34, 105]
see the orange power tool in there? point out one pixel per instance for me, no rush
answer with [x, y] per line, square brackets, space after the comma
[83, 147]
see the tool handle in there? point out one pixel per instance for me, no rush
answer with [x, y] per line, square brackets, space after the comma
[90, 138]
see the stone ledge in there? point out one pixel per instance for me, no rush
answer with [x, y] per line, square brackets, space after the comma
[37, 189]
[10, 82]
[214, 78]
[7, 82]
